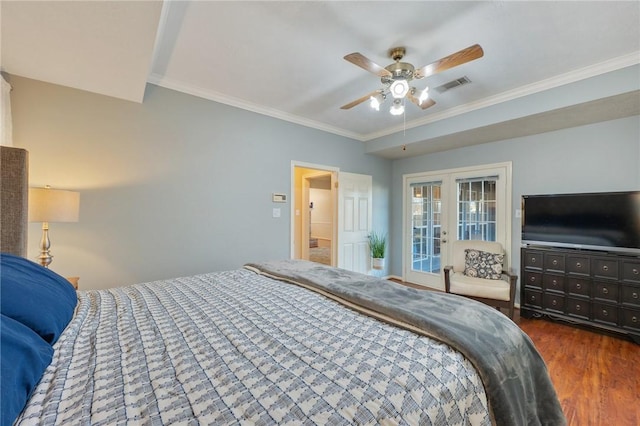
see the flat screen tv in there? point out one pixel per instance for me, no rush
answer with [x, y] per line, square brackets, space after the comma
[608, 221]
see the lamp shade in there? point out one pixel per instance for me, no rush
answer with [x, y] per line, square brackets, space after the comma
[53, 205]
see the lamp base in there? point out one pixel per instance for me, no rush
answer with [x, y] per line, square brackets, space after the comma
[45, 257]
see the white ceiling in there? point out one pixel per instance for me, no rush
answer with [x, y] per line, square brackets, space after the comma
[285, 59]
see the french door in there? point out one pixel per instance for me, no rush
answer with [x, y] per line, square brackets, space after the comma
[458, 204]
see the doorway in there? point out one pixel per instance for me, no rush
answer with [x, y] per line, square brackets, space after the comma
[314, 211]
[341, 226]
[318, 220]
[448, 205]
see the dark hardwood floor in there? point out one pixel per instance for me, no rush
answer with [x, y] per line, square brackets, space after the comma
[597, 377]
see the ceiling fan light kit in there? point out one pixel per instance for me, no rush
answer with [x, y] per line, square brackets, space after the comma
[396, 77]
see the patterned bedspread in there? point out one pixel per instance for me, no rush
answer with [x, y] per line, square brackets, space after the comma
[238, 348]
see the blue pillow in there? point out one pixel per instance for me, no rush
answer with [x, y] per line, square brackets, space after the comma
[36, 296]
[24, 357]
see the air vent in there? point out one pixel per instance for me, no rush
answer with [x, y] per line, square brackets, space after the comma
[453, 84]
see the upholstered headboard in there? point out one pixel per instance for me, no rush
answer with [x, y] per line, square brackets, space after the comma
[14, 195]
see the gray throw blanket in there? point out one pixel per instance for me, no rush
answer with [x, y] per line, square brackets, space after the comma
[514, 375]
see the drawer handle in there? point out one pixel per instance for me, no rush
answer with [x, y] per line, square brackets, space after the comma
[578, 265]
[634, 319]
[533, 260]
[634, 295]
[554, 282]
[605, 290]
[605, 313]
[533, 298]
[532, 279]
[554, 302]
[578, 286]
[636, 271]
[577, 307]
[555, 262]
[605, 268]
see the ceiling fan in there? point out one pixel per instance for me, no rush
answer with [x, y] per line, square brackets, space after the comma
[396, 77]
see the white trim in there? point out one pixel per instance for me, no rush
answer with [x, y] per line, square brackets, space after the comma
[249, 106]
[539, 86]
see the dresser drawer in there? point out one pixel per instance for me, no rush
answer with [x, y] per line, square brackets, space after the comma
[533, 298]
[578, 265]
[605, 268]
[554, 262]
[579, 308]
[630, 319]
[579, 286]
[630, 295]
[553, 302]
[533, 259]
[533, 279]
[631, 271]
[605, 314]
[553, 282]
[605, 291]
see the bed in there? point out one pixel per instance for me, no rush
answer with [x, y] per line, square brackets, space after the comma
[281, 342]
[285, 342]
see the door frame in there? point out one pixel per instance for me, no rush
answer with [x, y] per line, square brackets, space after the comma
[321, 169]
[505, 168]
[304, 216]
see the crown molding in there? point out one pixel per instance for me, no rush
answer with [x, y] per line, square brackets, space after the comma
[540, 86]
[249, 106]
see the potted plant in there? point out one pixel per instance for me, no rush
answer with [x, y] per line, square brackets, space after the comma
[377, 247]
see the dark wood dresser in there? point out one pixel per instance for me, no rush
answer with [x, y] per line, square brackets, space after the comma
[593, 289]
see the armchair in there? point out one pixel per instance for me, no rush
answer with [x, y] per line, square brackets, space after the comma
[480, 259]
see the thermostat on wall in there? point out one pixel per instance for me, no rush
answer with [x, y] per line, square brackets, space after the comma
[279, 198]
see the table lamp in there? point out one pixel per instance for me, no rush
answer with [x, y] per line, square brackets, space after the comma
[51, 205]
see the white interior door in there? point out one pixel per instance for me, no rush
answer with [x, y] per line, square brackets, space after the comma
[355, 204]
[449, 205]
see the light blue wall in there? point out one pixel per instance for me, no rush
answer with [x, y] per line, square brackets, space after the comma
[175, 186]
[181, 185]
[598, 157]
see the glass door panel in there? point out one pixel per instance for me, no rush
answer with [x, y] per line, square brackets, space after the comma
[477, 209]
[426, 222]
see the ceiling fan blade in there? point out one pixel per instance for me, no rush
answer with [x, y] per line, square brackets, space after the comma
[453, 60]
[360, 100]
[425, 104]
[367, 64]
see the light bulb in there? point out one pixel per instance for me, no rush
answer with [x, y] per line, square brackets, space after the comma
[375, 103]
[397, 108]
[424, 95]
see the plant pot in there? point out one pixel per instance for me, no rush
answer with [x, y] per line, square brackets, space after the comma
[377, 263]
